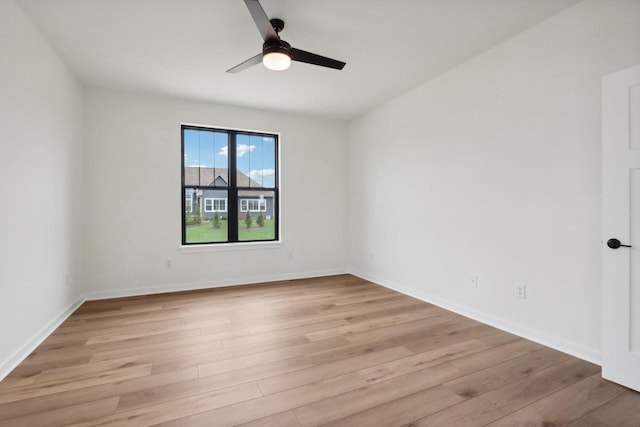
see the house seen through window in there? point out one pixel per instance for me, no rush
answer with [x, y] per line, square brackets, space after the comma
[229, 186]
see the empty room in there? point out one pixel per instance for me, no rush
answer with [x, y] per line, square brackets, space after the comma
[346, 213]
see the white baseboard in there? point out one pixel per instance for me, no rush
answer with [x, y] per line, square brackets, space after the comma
[9, 364]
[192, 286]
[577, 350]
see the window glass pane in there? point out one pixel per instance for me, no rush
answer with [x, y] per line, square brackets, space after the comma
[191, 157]
[256, 164]
[262, 162]
[256, 214]
[213, 159]
[205, 139]
[243, 159]
[206, 158]
[221, 159]
[206, 215]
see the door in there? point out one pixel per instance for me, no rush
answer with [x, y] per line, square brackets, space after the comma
[621, 227]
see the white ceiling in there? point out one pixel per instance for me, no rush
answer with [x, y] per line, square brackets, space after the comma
[183, 47]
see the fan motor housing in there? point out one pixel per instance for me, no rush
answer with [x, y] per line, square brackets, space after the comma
[276, 46]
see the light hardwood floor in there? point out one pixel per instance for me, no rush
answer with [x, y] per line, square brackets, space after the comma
[332, 350]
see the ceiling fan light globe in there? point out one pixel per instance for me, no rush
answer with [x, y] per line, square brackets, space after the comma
[276, 61]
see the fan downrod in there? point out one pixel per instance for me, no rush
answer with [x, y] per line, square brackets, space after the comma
[277, 24]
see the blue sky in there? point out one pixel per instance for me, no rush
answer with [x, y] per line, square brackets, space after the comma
[255, 154]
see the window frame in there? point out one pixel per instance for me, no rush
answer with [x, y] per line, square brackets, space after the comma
[232, 201]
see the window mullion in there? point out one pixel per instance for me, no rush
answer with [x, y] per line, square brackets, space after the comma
[233, 190]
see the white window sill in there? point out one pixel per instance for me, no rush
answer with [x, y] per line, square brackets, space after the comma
[224, 247]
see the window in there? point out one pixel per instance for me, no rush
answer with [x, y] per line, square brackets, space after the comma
[253, 205]
[215, 205]
[229, 186]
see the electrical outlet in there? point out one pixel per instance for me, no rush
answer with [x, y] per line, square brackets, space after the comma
[168, 264]
[474, 280]
[521, 290]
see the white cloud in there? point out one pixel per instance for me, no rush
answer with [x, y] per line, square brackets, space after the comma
[241, 150]
[262, 173]
[195, 165]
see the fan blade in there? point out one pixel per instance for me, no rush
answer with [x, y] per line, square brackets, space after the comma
[312, 58]
[262, 20]
[246, 64]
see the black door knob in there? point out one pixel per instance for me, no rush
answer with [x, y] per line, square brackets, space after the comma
[615, 244]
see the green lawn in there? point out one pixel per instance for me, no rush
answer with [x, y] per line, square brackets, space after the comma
[205, 233]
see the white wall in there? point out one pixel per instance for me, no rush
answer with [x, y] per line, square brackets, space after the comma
[494, 169]
[133, 196]
[40, 186]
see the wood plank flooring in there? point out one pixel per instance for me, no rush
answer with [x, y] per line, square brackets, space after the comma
[326, 351]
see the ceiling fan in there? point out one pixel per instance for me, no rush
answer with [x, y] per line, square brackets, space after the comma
[277, 54]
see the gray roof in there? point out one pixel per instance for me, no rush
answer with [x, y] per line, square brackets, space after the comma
[195, 176]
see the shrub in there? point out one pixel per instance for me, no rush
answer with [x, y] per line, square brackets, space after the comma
[191, 219]
[248, 220]
[216, 221]
[260, 220]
